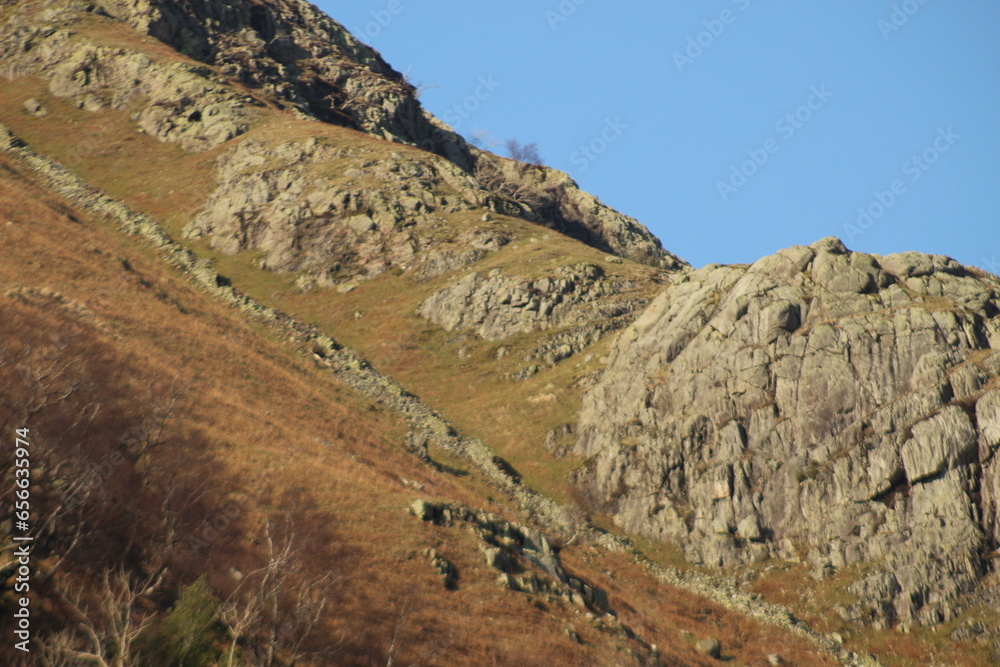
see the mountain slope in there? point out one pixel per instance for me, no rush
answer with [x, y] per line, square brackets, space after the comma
[274, 448]
[288, 57]
[273, 437]
[293, 174]
[819, 402]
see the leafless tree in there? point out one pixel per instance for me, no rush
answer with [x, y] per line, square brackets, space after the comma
[58, 648]
[277, 606]
[49, 377]
[105, 631]
[515, 187]
[484, 139]
[240, 617]
[158, 407]
[527, 153]
[40, 377]
[64, 518]
[396, 637]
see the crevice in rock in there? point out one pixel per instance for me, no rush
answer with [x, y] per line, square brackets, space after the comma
[899, 488]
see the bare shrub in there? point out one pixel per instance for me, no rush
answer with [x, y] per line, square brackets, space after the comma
[526, 153]
[483, 139]
[106, 626]
[276, 607]
[516, 187]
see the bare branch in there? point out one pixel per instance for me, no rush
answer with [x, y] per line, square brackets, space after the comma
[528, 153]
[484, 139]
[277, 607]
[397, 630]
[111, 627]
[517, 189]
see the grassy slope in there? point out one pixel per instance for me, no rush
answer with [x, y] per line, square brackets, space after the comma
[164, 182]
[170, 185]
[278, 429]
[275, 428]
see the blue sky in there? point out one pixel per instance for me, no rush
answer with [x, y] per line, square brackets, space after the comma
[732, 128]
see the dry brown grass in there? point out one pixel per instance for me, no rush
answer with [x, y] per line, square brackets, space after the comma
[678, 619]
[261, 413]
[281, 436]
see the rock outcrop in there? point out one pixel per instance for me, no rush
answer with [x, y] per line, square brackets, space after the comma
[172, 101]
[524, 558]
[496, 306]
[283, 54]
[574, 305]
[300, 57]
[342, 213]
[551, 198]
[821, 403]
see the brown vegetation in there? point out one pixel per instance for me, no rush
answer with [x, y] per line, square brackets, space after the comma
[211, 452]
[221, 434]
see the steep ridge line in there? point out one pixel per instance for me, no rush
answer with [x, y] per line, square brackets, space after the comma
[238, 63]
[353, 370]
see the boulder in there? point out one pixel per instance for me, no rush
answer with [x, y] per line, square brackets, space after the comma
[36, 108]
[709, 646]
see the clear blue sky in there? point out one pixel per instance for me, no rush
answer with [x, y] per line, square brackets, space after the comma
[684, 92]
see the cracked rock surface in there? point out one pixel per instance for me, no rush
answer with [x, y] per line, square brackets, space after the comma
[820, 403]
[340, 213]
[496, 306]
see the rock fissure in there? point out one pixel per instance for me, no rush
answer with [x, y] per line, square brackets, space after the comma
[861, 422]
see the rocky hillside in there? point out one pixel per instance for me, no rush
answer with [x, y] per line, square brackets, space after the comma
[557, 419]
[821, 404]
[247, 56]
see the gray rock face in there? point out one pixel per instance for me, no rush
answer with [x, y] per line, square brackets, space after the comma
[179, 103]
[341, 215]
[552, 198]
[496, 306]
[293, 52]
[820, 401]
[578, 304]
